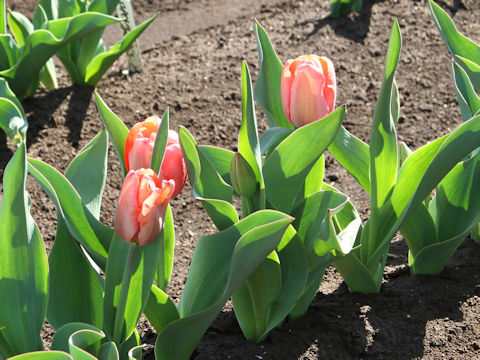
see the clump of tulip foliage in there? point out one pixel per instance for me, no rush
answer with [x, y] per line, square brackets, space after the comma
[271, 257]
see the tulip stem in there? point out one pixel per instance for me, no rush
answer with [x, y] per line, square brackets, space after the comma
[248, 206]
[122, 300]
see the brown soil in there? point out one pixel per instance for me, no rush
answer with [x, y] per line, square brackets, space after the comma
[192, 57]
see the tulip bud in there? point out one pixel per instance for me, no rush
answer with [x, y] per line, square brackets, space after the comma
[308, 89]
[243, 178]
[139, 148]
[141, 206]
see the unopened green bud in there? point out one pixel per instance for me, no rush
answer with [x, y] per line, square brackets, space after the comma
[243, 178]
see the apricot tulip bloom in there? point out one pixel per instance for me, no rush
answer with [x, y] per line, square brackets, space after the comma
[139, 148]
[308, 88]
[142, 205]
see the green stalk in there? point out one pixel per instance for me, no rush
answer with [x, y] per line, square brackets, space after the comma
[122, 301]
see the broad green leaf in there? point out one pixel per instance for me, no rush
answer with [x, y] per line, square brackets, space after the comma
[248, 143]
[136, 353]
[271, 138]
[62, 335]
[253, 299]
[314, 179]
[204, 178]
[353, 154]
[43, 355]
[9, 52]
[103, 6]
[457, 200]
[285, 168]
[20, 26]
[160, 309]
[220, 159]
[42, 44]
[48, 75]
[190, 155]
[128, 278]
[432, 259]
[73, 274]
[160, 143]
[315, 277]
[116, 129]
[222, 213]
[13, 120]
[108, 351]
[356, 275]
[383, 139]
[221, 262]
[84, 343]
[457, 43]
[471, 68]
[267, 88]
[294, 275]
[80, 221]
[419, 230]
[102, 62]
[24, 270]
[167, 245]
[467, 98]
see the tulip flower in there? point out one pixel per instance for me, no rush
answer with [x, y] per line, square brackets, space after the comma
[139, 148]
[142, 205]
[308, 89]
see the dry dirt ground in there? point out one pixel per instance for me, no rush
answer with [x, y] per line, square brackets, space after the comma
[192, 57]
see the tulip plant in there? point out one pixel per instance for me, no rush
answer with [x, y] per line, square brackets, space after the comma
[399, 182]
[13, 120]
[87, 59]
[97, 314]
[24, 55]
[282, 170]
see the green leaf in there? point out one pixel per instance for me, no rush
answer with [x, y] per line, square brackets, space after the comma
[286, 167]
[253, 299]
[62, 335]
[221, 262]
[24, 270]
[248, 143]
[432, 259]
[457, 43]
[383, 138]
[115, 127]
[160, 143]
[20, 26]
[3, 17]
[471, 68]
[128, 279]
[272, 137]
[108, 351]
[43, 355]
[356, 275]
[84, 343]
[160, 309]
[81, 223]
[267, 88]
[467, 98]
[419, 230]
[102, 62]
[457, 200]
[167, 245]
[204, 178]
[70, 271]
[13, 120]
[222, 213]
[9, 51]
[103, 6]
[353, 154]
[42, 44]
[220, 159]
